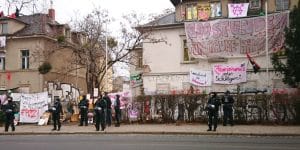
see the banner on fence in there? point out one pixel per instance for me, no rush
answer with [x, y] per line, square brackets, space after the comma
[200, 78]
[235, 37]
[229, 73]
[32, 106]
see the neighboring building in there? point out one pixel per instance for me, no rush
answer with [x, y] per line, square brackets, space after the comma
[28, 42]
[201, 35]
[120, 84]
[136, 71]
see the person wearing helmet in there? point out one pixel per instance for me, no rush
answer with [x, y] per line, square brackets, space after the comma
[227, 101]
[83, 106]
[9, 110]
[56, 111]
[213, 110]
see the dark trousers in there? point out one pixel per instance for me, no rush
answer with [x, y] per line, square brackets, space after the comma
[212, 119]
[9, 122]
[108, 117]
[100, 120]
[83, 117]
[118, 116]
[228, 117]
[56, 121]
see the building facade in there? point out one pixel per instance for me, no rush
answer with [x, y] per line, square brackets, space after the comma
[29, 41]
[213, 45]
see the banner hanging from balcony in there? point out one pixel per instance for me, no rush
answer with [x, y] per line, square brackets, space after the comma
[237, 10]
[235, 37]
[229, 73]
[200, 78]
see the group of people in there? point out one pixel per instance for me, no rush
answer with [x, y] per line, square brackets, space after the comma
[9, 110]
[102, 111]
[213, 105]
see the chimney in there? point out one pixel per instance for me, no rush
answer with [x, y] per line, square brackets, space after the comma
[51, 14]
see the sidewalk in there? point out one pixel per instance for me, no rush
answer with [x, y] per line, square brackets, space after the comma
[188, 129]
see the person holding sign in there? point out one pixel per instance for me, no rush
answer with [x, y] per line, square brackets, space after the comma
[213, 108]
[56, 110]
[9, 110]
[83, 106]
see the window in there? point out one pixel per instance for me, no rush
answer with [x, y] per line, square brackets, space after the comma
[4, 28]
[255, 4]
[2, 63]
[186, 55]
[191, 12]
[282, 5]
[216, 9]
[25, 59]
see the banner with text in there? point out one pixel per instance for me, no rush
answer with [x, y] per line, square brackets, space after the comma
[200, 78]
[230, 73]
[32, 106]
[237, 10]
[235, 37]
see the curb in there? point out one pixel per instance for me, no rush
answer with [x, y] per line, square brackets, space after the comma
[149, 133]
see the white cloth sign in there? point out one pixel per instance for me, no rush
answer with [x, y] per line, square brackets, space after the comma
[238, 10]
[32, 106]
[200, 78]
[2, 41]
[229, 73]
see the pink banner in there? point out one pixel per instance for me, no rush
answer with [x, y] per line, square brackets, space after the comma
[235, 37]
[229, 73]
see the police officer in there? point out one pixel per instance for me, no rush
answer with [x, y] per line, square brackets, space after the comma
[227, 101]
[117, 110]
[100, 110]
[213, 108]
[56, 111]
[9, 110]
[108, 108]
[83, 106]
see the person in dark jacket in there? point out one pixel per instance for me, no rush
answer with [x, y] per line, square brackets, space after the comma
[56, 112]
[108, 108]
[100, 110]
[213, 109]
[9, 110]
[117, 110]
[227, 101]
[83, 107]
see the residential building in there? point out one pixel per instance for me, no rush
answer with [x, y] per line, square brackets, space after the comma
[28, 42]
[213, 35]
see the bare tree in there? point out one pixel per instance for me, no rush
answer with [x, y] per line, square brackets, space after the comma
[19, 4]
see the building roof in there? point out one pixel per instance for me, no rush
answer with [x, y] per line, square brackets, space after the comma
[166, 20]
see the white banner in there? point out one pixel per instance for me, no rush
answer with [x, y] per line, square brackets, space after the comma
[238, 10]
[230, 73]
[200, 78]
[32, 106]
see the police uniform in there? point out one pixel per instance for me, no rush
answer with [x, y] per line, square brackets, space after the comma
[56, 111]
[83, 106]
[213, 108]
[100, 110]
[9, 110]
[227, 101]
[108, 109]
[117, 111]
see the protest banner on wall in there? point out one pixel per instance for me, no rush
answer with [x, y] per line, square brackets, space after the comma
[32, 106]
[229, 73]
[235, 37]
[200, 78]
[236, 10]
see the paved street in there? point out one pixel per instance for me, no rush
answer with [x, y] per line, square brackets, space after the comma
[147, 142]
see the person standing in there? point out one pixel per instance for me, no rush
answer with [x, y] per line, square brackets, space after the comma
[56, 111]
[108, 108]
[117, 110]
[83, 106]
[227, 101]
[100, 108]
[213, 108]
[9, 110]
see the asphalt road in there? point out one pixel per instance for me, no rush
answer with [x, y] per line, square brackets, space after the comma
[146, 142]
